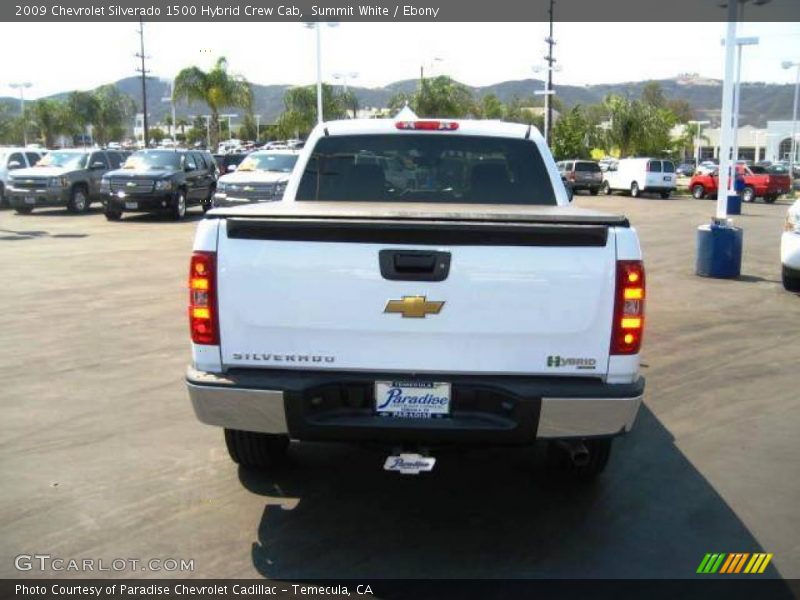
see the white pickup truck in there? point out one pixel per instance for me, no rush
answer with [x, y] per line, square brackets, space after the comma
[422, 283]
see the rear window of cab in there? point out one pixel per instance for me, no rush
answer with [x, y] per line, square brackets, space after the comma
[426, 168]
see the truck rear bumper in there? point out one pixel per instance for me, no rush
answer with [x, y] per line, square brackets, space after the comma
[338, 406]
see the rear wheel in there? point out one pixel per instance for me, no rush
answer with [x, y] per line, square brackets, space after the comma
[606, 188]
[748, 194]
[791, 279]
[698, 192]
[593, 191]
[23, 210]
[179, 206]
[252, 449]
[770, 199]
[3, 200]
[665, 195]
[78, 200]
[635, 190]
[599, 453]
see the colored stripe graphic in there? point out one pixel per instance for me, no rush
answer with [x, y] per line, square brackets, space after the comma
[725, 563]
[711, 563]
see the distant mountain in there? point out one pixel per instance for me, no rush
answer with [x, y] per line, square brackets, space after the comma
[761, 102]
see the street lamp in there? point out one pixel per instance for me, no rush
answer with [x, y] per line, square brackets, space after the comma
[344, 77]
[698, 125]
[171, 100]
[22, 86]
[787, 64]
[316, 26]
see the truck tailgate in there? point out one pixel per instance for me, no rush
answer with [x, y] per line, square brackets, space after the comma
[533, 298]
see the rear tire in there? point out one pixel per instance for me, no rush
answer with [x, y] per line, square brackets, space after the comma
[3, 200]
[599, 454]
[635, 190]
[748, 194]
[23, 210]
[698, 192]
[665, 195]
[594, 191]
[606, 188]
[770, 199]
[791, 279]
[252, 449]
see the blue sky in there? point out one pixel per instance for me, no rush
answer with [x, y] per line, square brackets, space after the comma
[81, 56]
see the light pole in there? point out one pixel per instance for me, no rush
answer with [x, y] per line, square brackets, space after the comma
[258, 128]
[787, 64]
[547, 92]
[171, 100]
[740, 42]
[344, 77]
[698, 127]
[316, 26]
[22, 86]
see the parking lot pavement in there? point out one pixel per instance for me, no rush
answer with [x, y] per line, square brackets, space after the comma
[102, 457]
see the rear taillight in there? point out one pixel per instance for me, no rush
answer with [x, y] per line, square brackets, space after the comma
[427, 125]
[203, 299]
[626, 332]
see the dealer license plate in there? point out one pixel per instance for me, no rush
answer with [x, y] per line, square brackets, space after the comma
[131, 205]
[412, 399]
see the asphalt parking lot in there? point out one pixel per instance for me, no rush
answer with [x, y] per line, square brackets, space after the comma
[101, 455]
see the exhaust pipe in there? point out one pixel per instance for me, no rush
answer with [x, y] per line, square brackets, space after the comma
[576, 450]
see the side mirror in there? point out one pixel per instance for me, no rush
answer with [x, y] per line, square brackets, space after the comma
[14, 164]
[231, 168]
[188, 168]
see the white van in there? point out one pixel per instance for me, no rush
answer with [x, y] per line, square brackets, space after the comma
[640, 175]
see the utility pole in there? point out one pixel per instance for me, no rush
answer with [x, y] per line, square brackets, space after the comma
[548, 105]
[144, 72]
[22, 86]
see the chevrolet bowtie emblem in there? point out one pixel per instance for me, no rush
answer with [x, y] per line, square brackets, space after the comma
[131, 184]
[413, 307]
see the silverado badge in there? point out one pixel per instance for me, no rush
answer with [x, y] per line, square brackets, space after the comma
[413, 307]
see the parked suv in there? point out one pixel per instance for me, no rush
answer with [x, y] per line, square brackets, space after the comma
[68, 178]
[261, 177]
[581, 175]
[14, 159]
[166, 181]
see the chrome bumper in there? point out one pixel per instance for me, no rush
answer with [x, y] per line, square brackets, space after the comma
[586, 417]
[219, 401]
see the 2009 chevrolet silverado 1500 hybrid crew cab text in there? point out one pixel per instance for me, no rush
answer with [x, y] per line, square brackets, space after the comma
[454, 299]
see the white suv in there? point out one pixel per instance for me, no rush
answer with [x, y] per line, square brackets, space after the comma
[12, 159]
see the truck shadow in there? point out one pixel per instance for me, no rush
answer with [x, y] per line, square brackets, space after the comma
[494, 513]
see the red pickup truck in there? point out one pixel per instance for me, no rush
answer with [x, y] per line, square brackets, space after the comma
[759, 182]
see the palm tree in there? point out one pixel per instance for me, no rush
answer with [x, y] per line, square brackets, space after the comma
[49, 117]
[217, 88]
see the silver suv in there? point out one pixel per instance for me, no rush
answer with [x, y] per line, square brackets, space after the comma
[68, 178]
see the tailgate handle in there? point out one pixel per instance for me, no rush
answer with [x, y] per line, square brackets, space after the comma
[414, 265]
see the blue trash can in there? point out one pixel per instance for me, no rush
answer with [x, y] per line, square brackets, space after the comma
[734, 204]
[719, 251]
